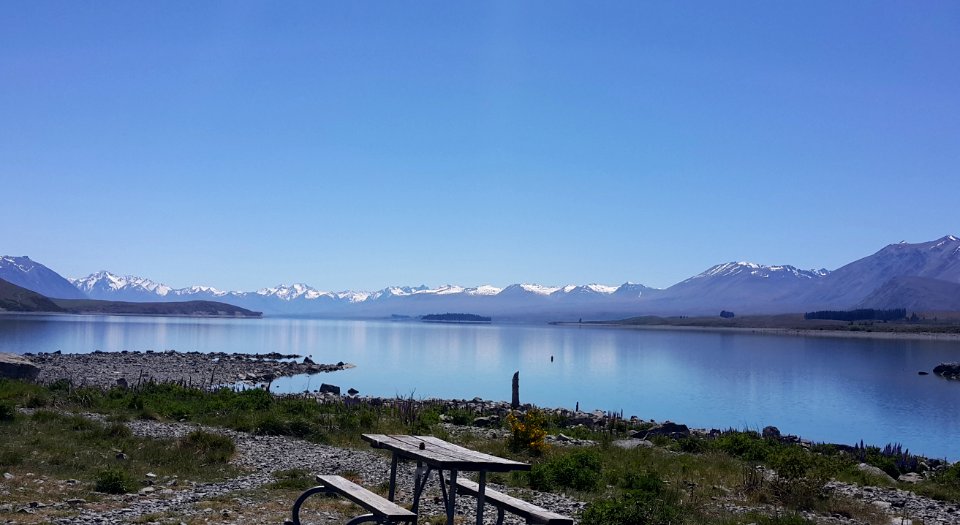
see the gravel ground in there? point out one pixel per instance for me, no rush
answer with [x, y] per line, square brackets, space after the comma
[264, 455]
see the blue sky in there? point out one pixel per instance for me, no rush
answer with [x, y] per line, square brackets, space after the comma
[366, 144]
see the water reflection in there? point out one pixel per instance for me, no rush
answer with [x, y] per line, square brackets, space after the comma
[839, 390]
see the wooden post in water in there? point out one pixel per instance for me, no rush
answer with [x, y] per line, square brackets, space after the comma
[515, 400]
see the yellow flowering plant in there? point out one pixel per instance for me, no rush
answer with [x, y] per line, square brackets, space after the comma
[527, 432]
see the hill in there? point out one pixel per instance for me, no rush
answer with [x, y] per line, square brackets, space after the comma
[15, 298]
[182, 308]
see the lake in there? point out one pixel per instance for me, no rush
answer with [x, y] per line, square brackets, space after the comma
[825, 389]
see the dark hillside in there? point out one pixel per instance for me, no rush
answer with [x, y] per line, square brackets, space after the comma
[15, 298]
[186, 308]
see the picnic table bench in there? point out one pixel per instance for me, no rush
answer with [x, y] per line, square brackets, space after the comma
[432, 455]
[504, 502]
[381, 509]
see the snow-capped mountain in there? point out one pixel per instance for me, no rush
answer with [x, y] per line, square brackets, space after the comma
[919, 276]
[851, 284]
[109, 286]
[24, 272]
[738, 286]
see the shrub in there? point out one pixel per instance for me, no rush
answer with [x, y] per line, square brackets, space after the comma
[118, 431]
[579, 470]
[648, 501]
[950, 476]
[294, 479]
[114, 481]
[213, 448]
[271, 425]
[7, 412]
[792, 462]
[745, 445]
[9, 458]
[527, 434]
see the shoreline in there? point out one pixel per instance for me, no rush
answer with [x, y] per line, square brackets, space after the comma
[796, 332]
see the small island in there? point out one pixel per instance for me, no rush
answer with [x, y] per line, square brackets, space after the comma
[456, 318]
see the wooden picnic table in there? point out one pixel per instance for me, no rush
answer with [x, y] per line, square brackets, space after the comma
[434, 454]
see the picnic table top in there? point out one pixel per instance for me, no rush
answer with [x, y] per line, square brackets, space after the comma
[442, 455]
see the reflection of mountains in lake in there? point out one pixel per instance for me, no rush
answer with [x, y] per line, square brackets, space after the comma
[455, 318]
[918, 277]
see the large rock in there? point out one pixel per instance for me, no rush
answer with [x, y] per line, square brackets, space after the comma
[875, 471]
[948, 370]
[329, 389]
[669, 429]
[13, 366]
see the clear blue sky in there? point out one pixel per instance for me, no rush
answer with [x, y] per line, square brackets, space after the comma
[366, 144]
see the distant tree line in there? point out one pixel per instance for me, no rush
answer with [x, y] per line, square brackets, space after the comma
[457, 318]
[863, 314]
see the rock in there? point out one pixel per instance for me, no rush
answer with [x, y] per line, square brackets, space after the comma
[121, 456]
[910, 477]
[632, 443]
[669, 429]
[76, 501]
[7, 475]
[875, 471]
[486, 421]
[353, 391]
[122, 382]
[329, 389]
[922, 373]
[771, 432]
[13, 366]
[948, 370]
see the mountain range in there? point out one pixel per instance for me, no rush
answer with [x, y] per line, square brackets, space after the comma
[918, 276]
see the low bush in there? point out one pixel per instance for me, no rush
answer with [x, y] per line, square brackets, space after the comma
[8, 412]
[647, 501]
[212, 448]
[527, 433]
[294, 479]
[578, 470]
[114, 481]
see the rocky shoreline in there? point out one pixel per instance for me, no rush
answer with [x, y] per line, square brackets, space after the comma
[204, 370]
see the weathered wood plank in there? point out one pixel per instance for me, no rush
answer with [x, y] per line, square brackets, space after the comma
[363, 497]
[441, 454]
[527, 511]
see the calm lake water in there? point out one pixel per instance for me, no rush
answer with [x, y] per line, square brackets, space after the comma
[824, 389]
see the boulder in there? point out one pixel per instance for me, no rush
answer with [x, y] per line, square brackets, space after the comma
[668, 429]
[876, 471]
[910, 477]
[329, 389]
[13, 366]
[487, 422]
[948, 370]
[632, 443]
[771, 432]
[353, 391]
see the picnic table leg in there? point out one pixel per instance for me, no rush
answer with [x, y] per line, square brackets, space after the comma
[419, 482]
[451, 504]
[393, 477]
[482, 482]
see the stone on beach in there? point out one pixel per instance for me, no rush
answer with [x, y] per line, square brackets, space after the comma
[13, 366]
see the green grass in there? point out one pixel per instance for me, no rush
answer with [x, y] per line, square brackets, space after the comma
[678, 482]
[65, 446]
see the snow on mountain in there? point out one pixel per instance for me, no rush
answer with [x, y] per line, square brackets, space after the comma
[29, 274]
[106, 285]
[898, 272]
[731, 269]
[853, 283]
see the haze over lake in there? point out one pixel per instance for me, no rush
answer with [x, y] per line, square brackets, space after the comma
[824, 389]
